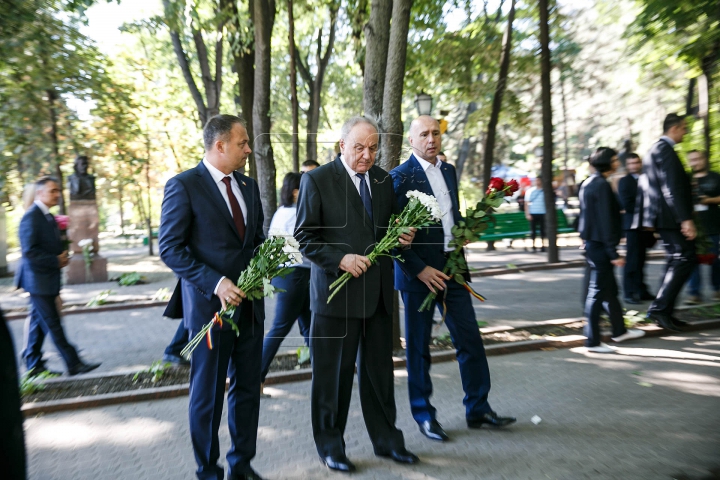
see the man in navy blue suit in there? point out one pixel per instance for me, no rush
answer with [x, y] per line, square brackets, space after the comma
[421, 272]
[39, 274]
[210, 226]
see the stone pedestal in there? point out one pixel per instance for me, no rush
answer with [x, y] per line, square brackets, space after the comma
[3, 243]
[83, 216]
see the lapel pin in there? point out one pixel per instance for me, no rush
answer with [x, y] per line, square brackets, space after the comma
[244, 184]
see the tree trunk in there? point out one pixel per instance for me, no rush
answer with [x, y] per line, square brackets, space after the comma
[293, 89]
[52, 98]
[704, 99]
[244, 66]
[149, 200]
[120, 201]
[465, 145]
[377, 38]
[547, 167]
[565, 137]
[497, 99]
[264, 18]
[392, 139]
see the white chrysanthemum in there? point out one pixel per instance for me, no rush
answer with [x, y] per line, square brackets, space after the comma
[292, 248]
[427, 201]
[85, 242]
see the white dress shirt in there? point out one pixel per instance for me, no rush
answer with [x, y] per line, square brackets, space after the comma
[668, 140]
[43, 208]
[218, 176]
[442, 195]
[354, 178]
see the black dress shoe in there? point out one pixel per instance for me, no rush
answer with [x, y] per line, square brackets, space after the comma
[251, 475]
[400, 455]
[631, 300]
[433, 430]
[338, 462]
[679, 323]
[663, 321]
[175, 359]
[492, 419]
[82, 367]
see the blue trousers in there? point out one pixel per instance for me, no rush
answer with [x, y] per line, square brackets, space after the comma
[695, 280]
[292, 304]
[45, 320]
[602, 294]
[236, 357]
[462, 324]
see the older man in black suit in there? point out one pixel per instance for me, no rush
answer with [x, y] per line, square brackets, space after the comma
[634, 288]
[344, 208]
[664, 203]
[43, 256]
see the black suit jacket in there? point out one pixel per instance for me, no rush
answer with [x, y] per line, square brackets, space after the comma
[332, 222]
[199, 242]
[627, 192]
[664, 198]
[39, 270]
[600, 214]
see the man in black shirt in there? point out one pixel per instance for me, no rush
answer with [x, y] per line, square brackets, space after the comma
[706, 190]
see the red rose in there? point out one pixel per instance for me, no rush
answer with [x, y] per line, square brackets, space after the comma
[513, 187]
[62, 221]
[496, 184]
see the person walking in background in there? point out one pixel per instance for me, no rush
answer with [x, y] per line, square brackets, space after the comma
[706, 199]
[210, 225]
[600, 229]
[634, 288]
[420, 272]
[294, 303]
[664, 203]
[43, 257]
[535, 212]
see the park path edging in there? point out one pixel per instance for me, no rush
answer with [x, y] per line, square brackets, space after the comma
[277, 378]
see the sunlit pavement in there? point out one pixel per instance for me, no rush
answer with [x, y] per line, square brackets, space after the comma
[649, 411]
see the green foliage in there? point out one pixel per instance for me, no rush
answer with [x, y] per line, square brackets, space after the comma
[157, 370]
[130, 278]
[99, 299]
[303, 355]
[31, 384]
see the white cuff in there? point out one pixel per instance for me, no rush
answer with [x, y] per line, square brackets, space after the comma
[218, 285]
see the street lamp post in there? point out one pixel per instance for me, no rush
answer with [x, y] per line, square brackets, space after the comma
[423, 103]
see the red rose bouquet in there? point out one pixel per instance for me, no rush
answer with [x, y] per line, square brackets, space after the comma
[469, 230]
[63, 222]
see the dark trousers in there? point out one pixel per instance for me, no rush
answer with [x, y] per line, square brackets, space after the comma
[236, 357]
[13, 464]
[537, 220]
[695, 282]
[602, 294]
[462, 324]
[45, 320]
[292, 304]
[179, 340]
[681, 261]
[634, 271]
[336, 344]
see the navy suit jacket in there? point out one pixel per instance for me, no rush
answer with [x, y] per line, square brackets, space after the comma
[39, 271]
[428, 246]
[200, 243]
[664, 198]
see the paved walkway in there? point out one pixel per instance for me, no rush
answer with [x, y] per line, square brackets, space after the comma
[648, 412]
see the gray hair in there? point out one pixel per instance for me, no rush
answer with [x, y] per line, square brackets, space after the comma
[357, 120]
[218, 128]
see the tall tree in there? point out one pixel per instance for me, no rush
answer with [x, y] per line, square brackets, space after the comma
[264, 20]
[293, 89]
[377, 40]
[314, 84]
[547, 162]
[174, 11]
[489, 149]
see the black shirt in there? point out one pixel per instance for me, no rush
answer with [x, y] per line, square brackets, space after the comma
[708, 186]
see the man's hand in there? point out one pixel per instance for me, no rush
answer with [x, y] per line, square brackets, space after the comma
[356, 265]
[229, 293]
[688, 229]
[433, 278]
[63, 259]
[407, 238]
[618, 262]
[528, 216]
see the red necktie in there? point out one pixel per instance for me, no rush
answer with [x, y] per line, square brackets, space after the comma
[236, 210]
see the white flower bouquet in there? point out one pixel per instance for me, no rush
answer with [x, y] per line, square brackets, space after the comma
[421, 211]
[275, 257]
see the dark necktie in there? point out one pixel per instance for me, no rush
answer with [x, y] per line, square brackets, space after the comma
[236, 210]
[53, 224]
[365, 195]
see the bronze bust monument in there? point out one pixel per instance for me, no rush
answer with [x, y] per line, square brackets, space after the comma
[82, 185]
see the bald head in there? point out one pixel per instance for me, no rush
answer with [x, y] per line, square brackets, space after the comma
[424, 137]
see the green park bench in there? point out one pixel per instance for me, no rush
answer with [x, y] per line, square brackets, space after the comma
[515, 226]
